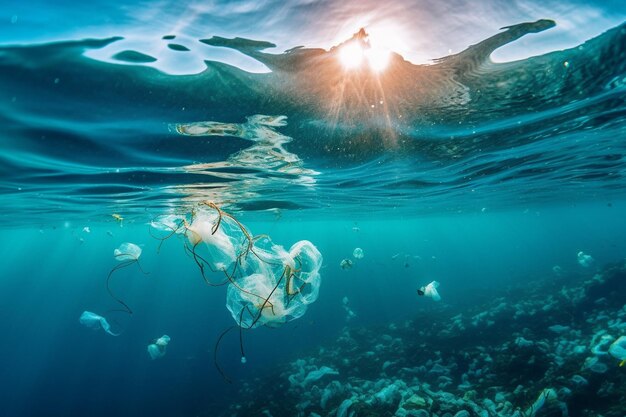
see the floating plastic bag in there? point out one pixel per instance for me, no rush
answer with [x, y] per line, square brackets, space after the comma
[94, 321]
[172, 223]
[304, 282]
[345, 264]
[157, 349]
[127, 252]
[267, 285]
[224, 239]
[430, 290]
[584, 260]
[282, 292]
[256, 300]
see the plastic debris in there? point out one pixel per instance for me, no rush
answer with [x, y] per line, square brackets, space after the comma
[127, 252]
[267, 285]
[584, 260]
[169, 223]
[222, 237]
[547, 394]
[157, 349]
[430, 290]
[94, 321]
[287, 282]
[118, 218]
[318, 374]
[618, 350]
[345, 264]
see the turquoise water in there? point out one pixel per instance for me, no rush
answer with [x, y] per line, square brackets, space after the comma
[480, 158]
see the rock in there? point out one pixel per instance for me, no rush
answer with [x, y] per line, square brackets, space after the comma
[414, 402]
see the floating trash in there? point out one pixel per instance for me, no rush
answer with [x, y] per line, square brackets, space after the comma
[276, 296]
[358, 253]
[546, 395]
[223, 238]
[267, 285]
[584, 260]
[169, 223]
[118, 218]
[345, 264]
[96, 322]
[127, 252]
[157, 349]
[430, 290]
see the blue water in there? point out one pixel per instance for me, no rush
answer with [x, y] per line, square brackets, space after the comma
[479, 162]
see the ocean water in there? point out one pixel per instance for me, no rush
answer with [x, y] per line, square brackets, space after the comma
[480, 146]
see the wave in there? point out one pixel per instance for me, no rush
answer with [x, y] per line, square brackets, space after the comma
[437, 134]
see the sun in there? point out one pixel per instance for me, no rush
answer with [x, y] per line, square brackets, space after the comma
[362, 51]
[351, 55]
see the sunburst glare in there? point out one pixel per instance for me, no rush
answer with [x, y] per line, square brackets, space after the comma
[361, 49]
[351, 55]
[377, 58]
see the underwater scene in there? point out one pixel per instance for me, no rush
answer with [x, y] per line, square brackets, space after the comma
[313, 208]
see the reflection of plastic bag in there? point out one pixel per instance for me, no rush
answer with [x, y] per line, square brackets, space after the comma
[94, 321]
